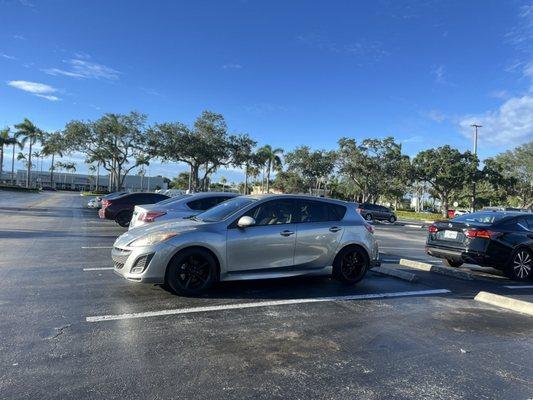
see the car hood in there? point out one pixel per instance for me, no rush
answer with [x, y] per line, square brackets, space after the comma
[180, 226]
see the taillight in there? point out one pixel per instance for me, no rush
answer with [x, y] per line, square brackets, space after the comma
[432, 229]
[482, 233]
[150, 216]
[106, 203]
[359, 210]
[369, 228]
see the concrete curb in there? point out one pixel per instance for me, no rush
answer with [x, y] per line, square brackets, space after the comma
[508, 303]
[438, 269]
[396, 273]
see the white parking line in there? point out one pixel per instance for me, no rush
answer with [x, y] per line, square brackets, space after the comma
[96, 247]
[519, 287]
[98, 269]
[225, 307]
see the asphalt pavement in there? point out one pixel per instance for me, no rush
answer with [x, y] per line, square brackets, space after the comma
[72, 329]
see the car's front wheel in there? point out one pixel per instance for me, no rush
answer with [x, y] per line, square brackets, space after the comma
[452, 263]
[368, 217]
[350, 265]
[520, 266]
[191, 272]
[392, 219]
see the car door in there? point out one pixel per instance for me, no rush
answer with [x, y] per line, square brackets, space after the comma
[267, 245]
[318, 232]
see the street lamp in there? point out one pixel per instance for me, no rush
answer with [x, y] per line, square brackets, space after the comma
[475, 126]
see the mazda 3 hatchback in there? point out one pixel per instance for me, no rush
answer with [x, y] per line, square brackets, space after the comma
[250, 237]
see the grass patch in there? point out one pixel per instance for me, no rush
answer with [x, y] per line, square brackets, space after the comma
[94, 193]
[418, 216]
[15, 188]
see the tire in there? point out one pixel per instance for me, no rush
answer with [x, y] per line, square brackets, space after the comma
[123, 218]
[452, 263]
[392, 219]
[520, 266]
[350, 265]
[191, 272]
[368, 217]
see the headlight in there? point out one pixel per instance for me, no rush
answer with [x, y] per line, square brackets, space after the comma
[152, 238]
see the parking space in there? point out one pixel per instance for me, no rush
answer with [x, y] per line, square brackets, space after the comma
[63, 310]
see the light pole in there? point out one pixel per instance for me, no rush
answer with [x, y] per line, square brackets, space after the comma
[475, 126]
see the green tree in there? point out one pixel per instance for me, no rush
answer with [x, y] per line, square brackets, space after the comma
[116, 141]
[53, 145]
[181, 181]
[315, 166]
[289, 182]
[28, 133]
[446, 170]
[6, 140]
[272, 161]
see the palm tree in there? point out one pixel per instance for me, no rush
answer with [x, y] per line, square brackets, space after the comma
[15, 143]
[52, 146]
[5, 140]
[273, 161]
[29, 133]
[223, 180]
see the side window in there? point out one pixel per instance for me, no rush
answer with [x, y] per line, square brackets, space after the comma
[336, 212]
[529, 220]
[522, 224]
[200, 204]
[275, 212]
[218, 200]
[318, 211]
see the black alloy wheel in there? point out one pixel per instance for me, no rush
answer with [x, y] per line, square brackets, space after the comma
[192, 272]
[351, 265]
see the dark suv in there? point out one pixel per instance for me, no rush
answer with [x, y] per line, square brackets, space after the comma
[373, 211]
[121, 208]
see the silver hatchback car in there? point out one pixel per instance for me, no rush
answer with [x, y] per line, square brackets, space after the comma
[250, 237]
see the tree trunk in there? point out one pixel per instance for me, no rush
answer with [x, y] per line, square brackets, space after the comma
[52, 172]
[13, 165]
[268, 177]
[1, 161]
[97, 175]
[28, 178]
[445, 205]
[190, 178]
[246, 181]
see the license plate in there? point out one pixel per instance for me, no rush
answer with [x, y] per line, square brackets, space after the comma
[450, 235]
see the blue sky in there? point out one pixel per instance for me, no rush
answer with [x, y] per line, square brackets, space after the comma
[288, 73]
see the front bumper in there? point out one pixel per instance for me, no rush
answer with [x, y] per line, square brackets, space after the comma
[142, 264]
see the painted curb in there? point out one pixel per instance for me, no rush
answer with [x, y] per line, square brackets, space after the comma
[508, 303]
[396, 273]
[438, 269]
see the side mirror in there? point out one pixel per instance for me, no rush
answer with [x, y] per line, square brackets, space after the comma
[245, 222]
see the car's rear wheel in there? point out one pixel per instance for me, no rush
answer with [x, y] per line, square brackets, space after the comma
[520, 266]
[368, 217]
[452, 263]
[392, 219]
[191, 272]
[123, 218]
[350, 265]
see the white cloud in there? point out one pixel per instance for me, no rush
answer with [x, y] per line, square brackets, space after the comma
[440, 75]
[36, 88]
[436, 116]
[232, 66]
[511, 124]
[82, 68]
[7, 56]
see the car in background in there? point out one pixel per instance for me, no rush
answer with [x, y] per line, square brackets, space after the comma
[182, 206]
[497, 239]
[250, 237]
[120, 209]
[457, 213]
[96, 202]
[376, 212]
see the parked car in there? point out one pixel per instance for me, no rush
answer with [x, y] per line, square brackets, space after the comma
[96, 202]
[457, 213]
[374, 211]
[498, 239]
[120, 209]
[185, 205]
[250, 237]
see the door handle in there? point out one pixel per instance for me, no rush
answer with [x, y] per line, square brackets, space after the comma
[334, 229]
[286, 233]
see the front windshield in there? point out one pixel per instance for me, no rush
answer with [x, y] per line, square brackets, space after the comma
[173, 199]
[480, 217]
[224, 209]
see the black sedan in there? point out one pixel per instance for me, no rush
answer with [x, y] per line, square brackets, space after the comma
[120, 209]
[497, 239]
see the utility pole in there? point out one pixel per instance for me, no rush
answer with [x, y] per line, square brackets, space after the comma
[475, 126]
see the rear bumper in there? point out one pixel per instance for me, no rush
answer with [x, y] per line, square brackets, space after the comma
[463, 255]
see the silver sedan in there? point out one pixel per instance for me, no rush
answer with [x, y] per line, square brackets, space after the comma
[250, 237]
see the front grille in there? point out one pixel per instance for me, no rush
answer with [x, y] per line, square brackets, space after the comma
[119, 256]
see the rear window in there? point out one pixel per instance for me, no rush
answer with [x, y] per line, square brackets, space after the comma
[173, 199]
[480, 217]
